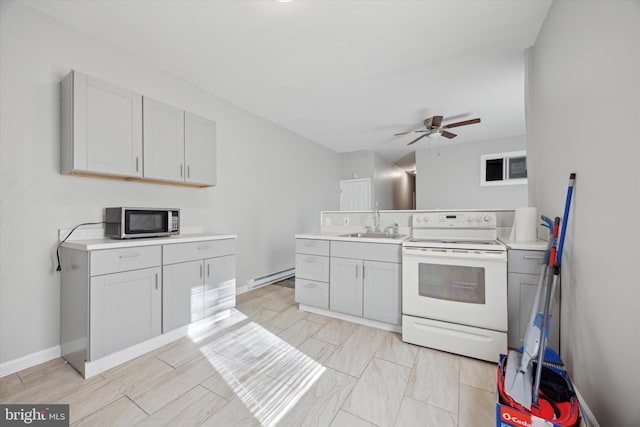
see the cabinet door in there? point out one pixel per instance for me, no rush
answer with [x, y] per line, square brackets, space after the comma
[521, 295]
[107, 128]
[125, 309]
[345, 286]
[382, 293]
[219, 284]
[182, 294]
[200, 149]
[163, 141]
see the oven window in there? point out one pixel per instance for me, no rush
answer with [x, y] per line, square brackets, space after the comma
[452, 283]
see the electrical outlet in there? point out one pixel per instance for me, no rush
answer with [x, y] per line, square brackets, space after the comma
[345, 220]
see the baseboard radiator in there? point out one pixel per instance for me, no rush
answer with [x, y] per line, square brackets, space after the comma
[259, 282]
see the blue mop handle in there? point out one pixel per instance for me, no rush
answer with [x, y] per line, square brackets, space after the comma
[565, 217]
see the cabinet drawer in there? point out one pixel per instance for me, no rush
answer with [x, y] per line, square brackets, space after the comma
[312, 267]
[524, 261]
[183, 252]
[373, 251]
[124, 259]
[312, 293]
[312, 247]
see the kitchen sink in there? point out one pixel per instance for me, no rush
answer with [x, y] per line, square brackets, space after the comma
[373, 235]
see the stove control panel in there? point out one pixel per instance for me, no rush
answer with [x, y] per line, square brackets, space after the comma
[454, 220]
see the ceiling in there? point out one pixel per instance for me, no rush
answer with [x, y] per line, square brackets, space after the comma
[345, 74]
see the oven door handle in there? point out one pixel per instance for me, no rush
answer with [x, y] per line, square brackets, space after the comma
[455, 253]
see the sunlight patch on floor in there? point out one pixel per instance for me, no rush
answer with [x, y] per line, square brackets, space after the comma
[265, 372]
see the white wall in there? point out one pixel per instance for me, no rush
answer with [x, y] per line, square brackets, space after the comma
[448, 177]
[583, 115]
[271, 183]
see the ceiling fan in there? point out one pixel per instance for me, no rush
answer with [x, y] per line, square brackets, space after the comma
[433, 126]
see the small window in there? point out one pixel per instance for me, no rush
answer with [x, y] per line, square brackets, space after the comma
[495, 169]
[503, 168]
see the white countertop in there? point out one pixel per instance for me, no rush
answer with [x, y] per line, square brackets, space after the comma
[537, 245]
[106, 243]
[338, 237]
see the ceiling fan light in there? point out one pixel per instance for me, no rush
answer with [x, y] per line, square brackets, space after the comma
[435, 134]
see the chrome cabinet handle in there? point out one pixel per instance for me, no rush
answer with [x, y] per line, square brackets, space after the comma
[208, 270]
[363, 271]
[156, 280]
[188, 171]
[357, 270]
[136, 163]
[180, 170]
[201, 271]
[202, 248]
[532, 257]
[129, 256]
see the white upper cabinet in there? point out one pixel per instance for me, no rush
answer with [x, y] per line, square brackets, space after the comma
[163, 141]
[199, 149]
[178, 146]
[104, 128]
[101, 127]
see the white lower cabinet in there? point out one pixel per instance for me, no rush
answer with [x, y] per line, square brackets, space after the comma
[125, 299]
[219, 284]
[125, 310]
[523, 272]
[197, 287]
[345, 286]
[183, 300]
[381, 291]
[312, 273]
[370, 289]
[366, 280]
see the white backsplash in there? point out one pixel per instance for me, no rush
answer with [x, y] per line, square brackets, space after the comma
[351, 221]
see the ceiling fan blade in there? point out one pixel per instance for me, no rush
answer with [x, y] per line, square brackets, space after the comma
[463, 123]
[411, 131]
[436, 121]
[418, 138]
[448, 134]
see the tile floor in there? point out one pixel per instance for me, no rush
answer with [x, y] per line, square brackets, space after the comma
[271, 364]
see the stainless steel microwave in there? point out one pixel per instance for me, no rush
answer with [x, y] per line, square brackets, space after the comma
[130, 223]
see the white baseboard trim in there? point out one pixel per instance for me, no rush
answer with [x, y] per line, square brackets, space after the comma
[33, 359]
[352, 319]
[107, 362]
[586, 411]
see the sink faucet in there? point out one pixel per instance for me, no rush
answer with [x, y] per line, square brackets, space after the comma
[376, 219]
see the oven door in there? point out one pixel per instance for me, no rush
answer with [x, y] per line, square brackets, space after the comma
[458, 286]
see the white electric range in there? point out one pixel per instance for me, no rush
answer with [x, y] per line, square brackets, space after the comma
[454, 284]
